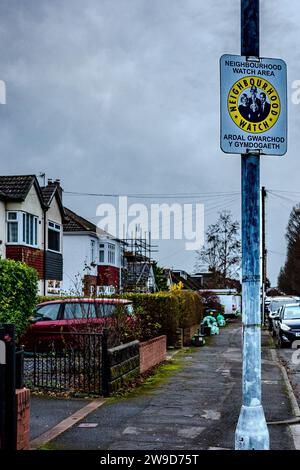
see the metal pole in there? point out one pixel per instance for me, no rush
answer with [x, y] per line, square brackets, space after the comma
[264, 251]
[252, 432]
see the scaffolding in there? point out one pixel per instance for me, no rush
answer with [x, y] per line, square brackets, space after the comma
[138, 263]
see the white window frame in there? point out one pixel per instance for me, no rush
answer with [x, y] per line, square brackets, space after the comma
[111, 253]
[56, 228]
[21, 228]
[12, 221]
[102, 249]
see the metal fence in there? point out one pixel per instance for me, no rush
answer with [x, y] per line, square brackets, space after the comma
[73, 362]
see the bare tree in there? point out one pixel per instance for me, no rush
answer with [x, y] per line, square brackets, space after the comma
[289, 276]
[222, 249]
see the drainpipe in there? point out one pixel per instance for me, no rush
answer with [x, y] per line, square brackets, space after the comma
[44, 254]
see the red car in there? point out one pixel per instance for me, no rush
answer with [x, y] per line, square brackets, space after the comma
[72, 316]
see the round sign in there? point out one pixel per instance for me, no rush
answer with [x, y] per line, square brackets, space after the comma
[253, 104]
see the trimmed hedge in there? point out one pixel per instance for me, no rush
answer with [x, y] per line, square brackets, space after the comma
[18, 293]
[162, 313]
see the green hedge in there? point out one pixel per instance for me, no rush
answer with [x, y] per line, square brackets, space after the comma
[163, 312]
[18, 293]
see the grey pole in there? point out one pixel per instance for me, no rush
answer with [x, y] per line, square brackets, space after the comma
[252, 432]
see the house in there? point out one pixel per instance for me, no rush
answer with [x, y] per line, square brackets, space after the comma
[92, 258]
[31, 220]
[188, 281]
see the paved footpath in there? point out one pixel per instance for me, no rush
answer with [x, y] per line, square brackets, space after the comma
[196, 408]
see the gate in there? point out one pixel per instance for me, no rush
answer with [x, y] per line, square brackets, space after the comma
[67, 361]
[8, 413]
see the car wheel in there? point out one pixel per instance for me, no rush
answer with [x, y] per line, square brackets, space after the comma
[281, 344]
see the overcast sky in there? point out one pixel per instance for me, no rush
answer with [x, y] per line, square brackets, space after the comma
[122, 96]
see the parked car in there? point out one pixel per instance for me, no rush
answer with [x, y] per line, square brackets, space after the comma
[287, 324]
[275, 305]
[72, 315]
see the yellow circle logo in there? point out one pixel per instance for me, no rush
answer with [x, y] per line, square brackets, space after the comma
[253, 104]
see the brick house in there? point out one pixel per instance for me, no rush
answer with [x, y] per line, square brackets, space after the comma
[31, 219]
[96, 268]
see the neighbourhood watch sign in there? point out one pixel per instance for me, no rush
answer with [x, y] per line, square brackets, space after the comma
[253, 105]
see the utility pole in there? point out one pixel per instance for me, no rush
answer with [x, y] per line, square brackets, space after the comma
[264, 250]
[252, 432]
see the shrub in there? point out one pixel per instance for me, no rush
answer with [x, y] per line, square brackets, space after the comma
[18, 294]
[162, 313]
[190, 308]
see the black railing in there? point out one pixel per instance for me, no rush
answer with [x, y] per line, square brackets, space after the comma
[73, 362]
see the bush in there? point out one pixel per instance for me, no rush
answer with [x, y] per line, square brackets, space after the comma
[18, 294]
[163, 313]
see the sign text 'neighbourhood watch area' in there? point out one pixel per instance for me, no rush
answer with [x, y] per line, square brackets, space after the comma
[253, 105]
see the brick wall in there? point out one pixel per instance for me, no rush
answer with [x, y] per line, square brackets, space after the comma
[89, 281]
[31, 256]
[23, 418]
[152, 352]
[108, 275]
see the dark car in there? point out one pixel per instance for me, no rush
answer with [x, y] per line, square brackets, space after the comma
[287, 324]
[71, 316]
[274, 306]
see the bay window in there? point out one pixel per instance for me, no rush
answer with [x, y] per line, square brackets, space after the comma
[111, 253]
[22, 228]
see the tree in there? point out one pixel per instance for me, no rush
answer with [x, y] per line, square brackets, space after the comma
[222, 250]
[289, 276]
[160, 278]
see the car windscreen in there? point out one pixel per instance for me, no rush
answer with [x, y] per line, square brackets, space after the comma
[79, 310]
[276, 304]
[292, 313]
[47, 312]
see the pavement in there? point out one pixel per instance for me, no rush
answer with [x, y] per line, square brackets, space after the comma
[196, 408]
[290, 358]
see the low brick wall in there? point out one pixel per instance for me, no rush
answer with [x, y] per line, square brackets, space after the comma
[152, 352]
[123, 365]
[23, 418]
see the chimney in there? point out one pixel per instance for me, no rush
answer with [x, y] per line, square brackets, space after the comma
[57, 184]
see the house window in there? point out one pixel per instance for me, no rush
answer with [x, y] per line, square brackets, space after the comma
[92, 251]
[12, 227]
[111, 253]
[101, 253]
[54, 236]
[29, 229]
[22, 228]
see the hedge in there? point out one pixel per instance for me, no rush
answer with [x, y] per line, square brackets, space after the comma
[163, 313]
[18, 293]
